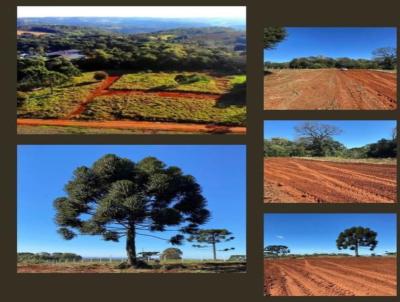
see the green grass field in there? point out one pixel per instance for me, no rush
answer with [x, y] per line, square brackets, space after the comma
[42, 104]
[166, 81]
[155, 108]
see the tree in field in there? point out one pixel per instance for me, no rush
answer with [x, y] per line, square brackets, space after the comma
[171, 253]
[273, 35]
[54, 78]
[117, 197]
[319, 136]
[356, 237]
[211, 237]
[100, 75]
[386, 57]
[276, 250]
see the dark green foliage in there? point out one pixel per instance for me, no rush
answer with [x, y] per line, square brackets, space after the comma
[171, 253]
[213, 48]
[21, 98]
[383, 148]
[211, 237]
[276, 250]
[117, 197]
[100, 75]
[273, 35]
[356, 237]
[62, 65]
[40, 257]
[386, 57]
[190, 78]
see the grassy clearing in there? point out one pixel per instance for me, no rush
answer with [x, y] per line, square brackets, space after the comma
[388, 161]
[155, 108]
[42, 104]
[166, 81]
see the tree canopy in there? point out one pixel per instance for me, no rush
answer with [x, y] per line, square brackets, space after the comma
[211, 237]
[273, 35]
[276, 250]
[171, 253]
[117, 197]
[356, 237]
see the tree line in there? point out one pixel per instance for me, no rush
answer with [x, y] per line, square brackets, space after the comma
[382, 58]
[37, 257]
[316, 139]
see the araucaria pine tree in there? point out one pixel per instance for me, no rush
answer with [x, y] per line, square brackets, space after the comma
[356, 237]
[211, 238]
[117, 197]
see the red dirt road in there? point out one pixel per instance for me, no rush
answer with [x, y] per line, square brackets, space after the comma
[153, 126]
[301, 180]
[324, 89]
[330, 276]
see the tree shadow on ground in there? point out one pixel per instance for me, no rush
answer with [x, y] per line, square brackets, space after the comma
[235, 97]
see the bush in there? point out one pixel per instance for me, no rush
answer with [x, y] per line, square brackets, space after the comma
[21, 98]
[100, 75]
[191, 78]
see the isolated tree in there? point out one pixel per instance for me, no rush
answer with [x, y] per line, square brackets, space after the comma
[273, 35]
[171, 253]
[318, 135]
[211, 237]
[54, 78]
[100, 75]
[116, 197]
[386, 57]
[276, 250]
[356, 237]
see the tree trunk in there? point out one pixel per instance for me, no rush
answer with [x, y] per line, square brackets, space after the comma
[131, 246]
[214, 249]
[356, 250]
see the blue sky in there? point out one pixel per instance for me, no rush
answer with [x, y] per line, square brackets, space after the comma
[317, 233]
[354, 133]
[335, 42]
[44, 170]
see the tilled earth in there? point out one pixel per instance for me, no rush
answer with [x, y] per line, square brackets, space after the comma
[301, 180]
[324, 276]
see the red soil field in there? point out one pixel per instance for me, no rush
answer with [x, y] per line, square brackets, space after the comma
[330, 276]
[301, 180]
[324, 89]
[103, 89]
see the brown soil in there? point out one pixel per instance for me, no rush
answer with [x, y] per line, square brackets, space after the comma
[301, 180]
[138, 125]
[205, 267]
[330, 276]
[325, 89]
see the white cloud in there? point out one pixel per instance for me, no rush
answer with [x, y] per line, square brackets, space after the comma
[279, 237]
[228, 12]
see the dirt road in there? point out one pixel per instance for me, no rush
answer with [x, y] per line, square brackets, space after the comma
[138, 125]
[301, 180]
[324, 89]
[330, 276]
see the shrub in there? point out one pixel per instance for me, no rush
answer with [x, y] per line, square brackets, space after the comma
[100, 75]
[190, 78]
[21, 98]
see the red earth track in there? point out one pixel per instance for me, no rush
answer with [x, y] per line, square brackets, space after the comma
[301, 180]
[137, 125]
[326, 89]
[330, 276]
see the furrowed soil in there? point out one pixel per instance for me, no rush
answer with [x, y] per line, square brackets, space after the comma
[203, 267]
[324, 89]
[330, 276]
[301, 180]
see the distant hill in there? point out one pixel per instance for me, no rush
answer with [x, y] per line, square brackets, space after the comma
[132, 25]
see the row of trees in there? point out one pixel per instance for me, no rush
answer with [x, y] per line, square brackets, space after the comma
[383, 58]
[48, 256]
[352, 238]
[316, 139]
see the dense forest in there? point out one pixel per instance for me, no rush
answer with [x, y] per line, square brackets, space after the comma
[220, 49]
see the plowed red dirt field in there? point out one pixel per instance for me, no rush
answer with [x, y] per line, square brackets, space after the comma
[301, 180]
[324, 89]
[330, 276]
